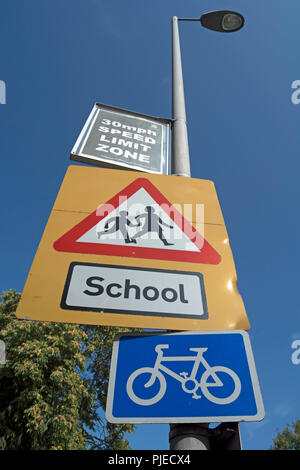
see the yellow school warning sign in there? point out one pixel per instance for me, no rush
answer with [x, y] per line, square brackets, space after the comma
[143, 252]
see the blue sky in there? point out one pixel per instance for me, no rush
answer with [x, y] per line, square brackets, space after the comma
[59, 57]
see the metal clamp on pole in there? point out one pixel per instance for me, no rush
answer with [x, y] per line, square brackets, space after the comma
[226, 436]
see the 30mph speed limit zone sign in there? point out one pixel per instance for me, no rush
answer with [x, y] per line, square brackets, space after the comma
[143, 252]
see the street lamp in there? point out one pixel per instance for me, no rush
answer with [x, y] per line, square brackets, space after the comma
[222, 21]
[191, 436]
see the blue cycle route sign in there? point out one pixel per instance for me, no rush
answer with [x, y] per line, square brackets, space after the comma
[206, 376]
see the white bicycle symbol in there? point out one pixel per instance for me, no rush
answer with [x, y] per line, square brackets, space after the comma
[188, 382]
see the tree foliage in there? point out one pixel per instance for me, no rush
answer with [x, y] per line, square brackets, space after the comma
[289, 438]
[53, 385]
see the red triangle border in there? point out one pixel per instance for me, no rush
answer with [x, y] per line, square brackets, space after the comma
[68, 243]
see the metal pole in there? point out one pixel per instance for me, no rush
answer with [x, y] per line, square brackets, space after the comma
[182, 436]
[180, 146]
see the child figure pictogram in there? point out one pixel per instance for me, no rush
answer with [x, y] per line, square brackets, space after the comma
[152, 223]
[119, 223]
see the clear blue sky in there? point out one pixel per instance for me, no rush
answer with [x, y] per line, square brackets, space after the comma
[59, 57]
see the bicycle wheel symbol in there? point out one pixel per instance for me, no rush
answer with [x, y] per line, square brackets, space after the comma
[147, 372]
[212, 372]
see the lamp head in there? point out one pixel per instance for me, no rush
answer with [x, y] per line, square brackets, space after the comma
[224, 21]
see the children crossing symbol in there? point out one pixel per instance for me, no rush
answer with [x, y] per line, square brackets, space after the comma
[152, 224]
[139, 222]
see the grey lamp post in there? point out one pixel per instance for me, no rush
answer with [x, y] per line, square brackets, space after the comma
[190, 436]
[223, 21]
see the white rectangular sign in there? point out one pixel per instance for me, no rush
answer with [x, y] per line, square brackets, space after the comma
[114, 137]
[132, 290]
